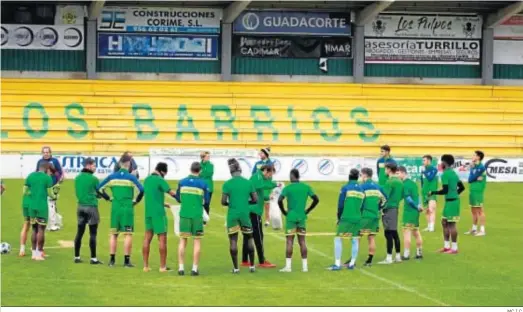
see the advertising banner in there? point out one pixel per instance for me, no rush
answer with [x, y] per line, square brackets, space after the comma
[510, 29]
[153, 46]
[508, 52]
[42, 37]
[293, 47]
[70, 15]
[295, 23]
[72, 165]
[158, 19]
[310, 168]
[425, 26]
[422, 51]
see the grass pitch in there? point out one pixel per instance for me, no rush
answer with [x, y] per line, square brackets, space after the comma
[486, 272]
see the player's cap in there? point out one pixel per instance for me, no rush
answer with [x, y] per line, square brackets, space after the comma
[196, 167]
[354, 174]
[448, 159]
[89, 161]
[402, 169]
[266, 151]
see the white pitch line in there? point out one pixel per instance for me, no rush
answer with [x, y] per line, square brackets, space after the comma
[366, 272]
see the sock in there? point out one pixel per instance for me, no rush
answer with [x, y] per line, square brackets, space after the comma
[389, 257]
[94, 259]
[406, 253]
[398, 256]
[77, 258]
[180, 267]
[127, 259]
[236, 270]
[38, 253]
[446, 244]
[22, 248]
[482, 228]
[195, 268]
[337, 250]
[474, 227]
[418, 251]
[355, 249]
[304, 264]
[33, 253]
[454, 246]
[431, 226]
[112, 258]
[288, 263]
[369, 259]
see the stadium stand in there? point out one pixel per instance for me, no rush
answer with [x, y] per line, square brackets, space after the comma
[335, 119]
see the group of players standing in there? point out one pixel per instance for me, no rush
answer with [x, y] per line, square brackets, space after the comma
[361, 203]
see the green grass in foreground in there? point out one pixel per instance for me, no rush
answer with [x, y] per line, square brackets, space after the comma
[487, 272]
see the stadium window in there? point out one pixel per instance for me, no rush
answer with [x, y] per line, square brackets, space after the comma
[28, 13]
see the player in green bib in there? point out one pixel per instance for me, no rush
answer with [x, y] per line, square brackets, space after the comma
[26, 226]
[193, 194]
[262, 183]
[394, 193]
[452, 187]
[477, 183]
[297, 194]
[122, 185]
[380, 165]
[155, 188]
[350, 204]
[411, 212]
[40, 186]
[237, 194]
[429, 183]
[87, 209]
[207, 176]
[373, 203]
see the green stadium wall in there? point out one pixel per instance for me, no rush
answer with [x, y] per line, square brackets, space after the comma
[43, 60]
[287, 66]
[425, 71]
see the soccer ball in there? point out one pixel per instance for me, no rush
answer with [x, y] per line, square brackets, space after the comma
[5, 248]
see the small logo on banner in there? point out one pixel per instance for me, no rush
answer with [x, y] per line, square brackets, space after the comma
[301, 165]
[23, 36]
[494, 168]
[277, 165]
[379, 27]
[172, 164]
[245, 164]
[72, 37]
[5, 35]
[250, 21]
[468, 29]
[325, 166]
[48, 37]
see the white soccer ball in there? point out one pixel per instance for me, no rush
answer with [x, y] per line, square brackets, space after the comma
[5, 248]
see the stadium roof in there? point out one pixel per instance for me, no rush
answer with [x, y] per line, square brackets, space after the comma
[480, 7]
[493, 11]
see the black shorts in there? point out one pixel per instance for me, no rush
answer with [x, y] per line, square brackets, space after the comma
[390, 219]
[88, 215]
